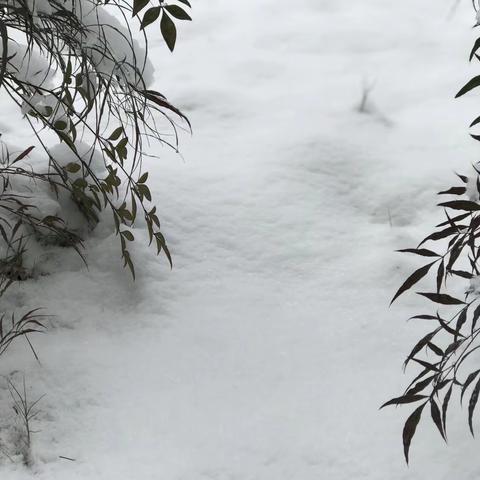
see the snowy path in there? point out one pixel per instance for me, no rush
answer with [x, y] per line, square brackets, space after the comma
[265, 353]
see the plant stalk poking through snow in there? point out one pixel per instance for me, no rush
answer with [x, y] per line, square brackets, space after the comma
[448, 355]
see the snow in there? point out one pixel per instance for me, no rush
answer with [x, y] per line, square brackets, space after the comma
[267, 350]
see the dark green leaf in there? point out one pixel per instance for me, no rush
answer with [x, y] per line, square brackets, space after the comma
[467, 383]
[177, 12]
[143, 178]
[410, 428]
[455, 253]
[420, 386]
[72, 167]
[445, 407]
[403, 400]
[446, 327]
[80, 183]
[454, 191]
[437, 350]
[150, 16]
[412, 280]
[454, 219]
[423, 317]
[475, 122]
[169, 31]
[461, 273]
[440, 235]
[476, 316]
[472, 404]
[428, 366]
[420, 344]
[60, 125]
[440, 273]
[419, 251]
[462, 318]
[139, 5]
[441, 298]
[23, 154]
[476, 46]
[436, 417]
[453, 346]
[461, 205]
[116, 134]
[473, 83]
[128, 235]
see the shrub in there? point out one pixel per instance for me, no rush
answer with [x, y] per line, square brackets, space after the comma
[448, 354]
[80, 78]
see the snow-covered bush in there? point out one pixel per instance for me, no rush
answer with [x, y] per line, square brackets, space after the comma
[80, 77]
[449, 354]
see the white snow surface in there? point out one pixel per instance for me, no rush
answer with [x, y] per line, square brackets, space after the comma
[267, 350]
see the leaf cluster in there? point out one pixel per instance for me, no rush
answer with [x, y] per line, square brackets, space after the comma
[445, 355]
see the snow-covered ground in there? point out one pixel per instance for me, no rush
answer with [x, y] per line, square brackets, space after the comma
[266, 352]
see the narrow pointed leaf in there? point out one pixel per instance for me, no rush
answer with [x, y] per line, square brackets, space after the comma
[23, 154]
[440, 273]
[412, 280]
[454, 190]
[403, 400]
[421, 344]
[435, 349]
[468, 382]
[440, 235]
[473, 83]
[462, 318]
[420, 386]
[410, 428]
[476, 316]
[441, 298]
[461, 273]
[428, 366]
[472, 405]
[446, 400]
[454, 219]
[476, 46]
[475, 122]
[437, 417]
[419, 251]
[461, 205]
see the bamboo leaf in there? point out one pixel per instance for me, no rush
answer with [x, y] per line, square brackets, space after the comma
[412, 280]
[441, 298]
[410, 428]
[467, 383]
[419, 251]
[454, 190]
[403, 400]
[472, 405]
[465, 205]
[473, 83]
[437, 417]
[446, 400]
